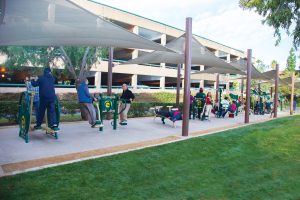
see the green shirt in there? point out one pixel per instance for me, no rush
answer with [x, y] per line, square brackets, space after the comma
[200, 95]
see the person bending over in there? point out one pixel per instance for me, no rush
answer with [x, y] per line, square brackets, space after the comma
[47, 99]
[124, 107]
[86, 103]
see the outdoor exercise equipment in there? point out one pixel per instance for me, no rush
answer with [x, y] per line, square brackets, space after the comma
[197, 107]
[167, 112]
[109, 105]
[25, 116]
[258, 102]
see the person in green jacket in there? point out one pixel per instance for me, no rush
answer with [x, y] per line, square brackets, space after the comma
[200, 95]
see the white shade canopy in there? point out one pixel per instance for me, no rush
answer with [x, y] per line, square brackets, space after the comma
[62, 22]
[288, 80]
[200, 55]
[214, 70]
[255, 74]
[271, 75]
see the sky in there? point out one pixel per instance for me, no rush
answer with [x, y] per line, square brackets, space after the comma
[219, 20]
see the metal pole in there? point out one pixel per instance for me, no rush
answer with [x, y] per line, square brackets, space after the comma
[109, 71]
[276, 91]
[217, 86]
[187, 71]
[292, 94]
[248, 85]
[271, 92]
[242, 89]
[178, 85]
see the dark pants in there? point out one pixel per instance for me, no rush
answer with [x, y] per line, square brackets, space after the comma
[50, 106]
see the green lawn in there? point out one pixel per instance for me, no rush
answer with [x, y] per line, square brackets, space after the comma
[256, 162]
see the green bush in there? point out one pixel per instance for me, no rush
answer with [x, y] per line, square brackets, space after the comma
[69, 107]
[9, 111]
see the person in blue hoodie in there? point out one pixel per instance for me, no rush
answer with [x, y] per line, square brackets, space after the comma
[86, 103]
[47, 99]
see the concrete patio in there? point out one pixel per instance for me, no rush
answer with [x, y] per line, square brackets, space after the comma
[78, 141]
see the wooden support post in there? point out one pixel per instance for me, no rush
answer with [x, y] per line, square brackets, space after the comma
[292, 94]
[217, 86]
[242, 88]
[248, 85]
[109, 71]
[275, 103]
[178, 85]
[187, 72]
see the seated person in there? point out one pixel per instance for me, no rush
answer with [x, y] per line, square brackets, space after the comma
[232, 107]
[86, 103]
[215, 107]
[225, 105]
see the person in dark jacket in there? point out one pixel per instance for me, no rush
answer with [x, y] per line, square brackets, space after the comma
[127, 96]
[47, 98]
[86, 103]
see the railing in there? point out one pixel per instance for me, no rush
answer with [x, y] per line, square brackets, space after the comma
[56, 85]
[146, 64]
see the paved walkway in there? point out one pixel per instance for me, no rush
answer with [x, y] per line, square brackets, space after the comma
[78, 141]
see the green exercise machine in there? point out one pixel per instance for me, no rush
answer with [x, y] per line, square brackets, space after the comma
[109, 105]
[25, 116]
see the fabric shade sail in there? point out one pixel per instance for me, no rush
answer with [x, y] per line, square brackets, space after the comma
[255, 74]
[214, 70]
[271, 78]
[200, 55]
[288, 80]
[60, 23]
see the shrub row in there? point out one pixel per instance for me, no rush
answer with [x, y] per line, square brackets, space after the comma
[9, 109]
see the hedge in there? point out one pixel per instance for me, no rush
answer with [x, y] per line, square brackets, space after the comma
[9, 109]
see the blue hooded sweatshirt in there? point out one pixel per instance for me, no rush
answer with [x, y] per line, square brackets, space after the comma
[83, 94]
[46, 86]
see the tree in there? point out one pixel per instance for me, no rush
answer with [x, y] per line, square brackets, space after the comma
[279, 14]
[77, 60]
[291, 61]
[261, 66]
[273, 64]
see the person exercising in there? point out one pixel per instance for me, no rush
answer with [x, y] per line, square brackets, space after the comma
[128, 97]
[35, 92]
[86, 103]
[47, 99]
[201, 96]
